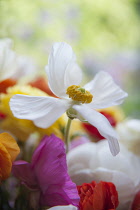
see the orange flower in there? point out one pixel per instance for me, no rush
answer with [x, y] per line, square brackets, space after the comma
[8, 153]
[98, 196]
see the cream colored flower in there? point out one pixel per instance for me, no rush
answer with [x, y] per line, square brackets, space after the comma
[92, 161]
[13, 65]
[129, 132]
[8, 58]
[64, 76]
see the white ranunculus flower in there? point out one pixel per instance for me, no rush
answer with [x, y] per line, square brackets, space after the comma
[64, 76]
[129, 132]
[92, 161]
[13, 65]
[69, 207]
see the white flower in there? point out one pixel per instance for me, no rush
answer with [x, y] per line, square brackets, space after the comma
[63, 76]
[129, 132]
[69, 207]
[13, 65]
[92, 161]
[7, 59]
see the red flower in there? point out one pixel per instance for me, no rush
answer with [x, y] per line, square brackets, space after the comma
[136, 202]
[98, 196]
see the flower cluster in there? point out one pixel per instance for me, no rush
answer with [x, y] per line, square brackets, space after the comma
[58, 132]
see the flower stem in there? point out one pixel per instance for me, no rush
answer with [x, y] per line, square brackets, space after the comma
[67, 134]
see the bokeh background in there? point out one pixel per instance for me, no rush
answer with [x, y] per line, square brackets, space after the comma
[105, 35]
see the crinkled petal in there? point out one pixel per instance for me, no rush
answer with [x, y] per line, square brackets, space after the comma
[62, 69]
[102, 124]
[105, 92]
[43, 111]
[23, 171]
[69, 207]
[49, 165]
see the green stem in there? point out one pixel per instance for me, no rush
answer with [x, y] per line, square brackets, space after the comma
[67, 134]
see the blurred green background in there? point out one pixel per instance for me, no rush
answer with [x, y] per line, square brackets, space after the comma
[105, 35]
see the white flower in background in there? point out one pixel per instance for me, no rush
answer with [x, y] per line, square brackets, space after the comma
[64, 76]
[129, 132]
[92, 161]
[7, 59]
[6, 42]
[26, 68]
[12, 65]
[70, 207]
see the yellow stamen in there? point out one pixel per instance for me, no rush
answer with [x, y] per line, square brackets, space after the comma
[77, 93]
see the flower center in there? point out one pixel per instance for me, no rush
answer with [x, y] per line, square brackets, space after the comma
[77, 93]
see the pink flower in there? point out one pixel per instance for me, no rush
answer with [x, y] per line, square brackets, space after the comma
[46, 176]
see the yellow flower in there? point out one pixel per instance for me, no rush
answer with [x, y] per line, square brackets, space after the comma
[8, 153]
[23, 128]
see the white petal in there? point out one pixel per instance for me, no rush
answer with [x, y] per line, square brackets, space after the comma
[129, 131]
[25, 67]
[43, 111]
[69, 207]
[78, 161]
[82, 176]
[122, 162]
[102, 124]
[6, 42]
[105, 92]
[81, 155]
[62, 69]
[8, 64]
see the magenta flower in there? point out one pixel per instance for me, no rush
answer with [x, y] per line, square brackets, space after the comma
[46, 176]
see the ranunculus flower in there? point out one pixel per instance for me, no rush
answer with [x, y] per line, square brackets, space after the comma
[92, 161]
[46, 176]
[98, 196]
[8, 153]
[136, 202]
[64, 77]
[129, 132]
